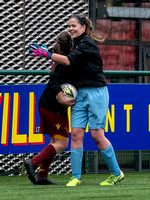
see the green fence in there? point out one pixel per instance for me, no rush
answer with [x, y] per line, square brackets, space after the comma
[107, 73]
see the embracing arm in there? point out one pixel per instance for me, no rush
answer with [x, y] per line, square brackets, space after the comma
[60, 59]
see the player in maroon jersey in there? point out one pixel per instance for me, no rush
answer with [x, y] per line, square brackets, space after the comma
[53, 115]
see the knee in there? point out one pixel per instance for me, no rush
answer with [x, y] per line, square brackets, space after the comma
[98, 135]
[77, 138]
[76, 135]
[65, 145]
[60, 145]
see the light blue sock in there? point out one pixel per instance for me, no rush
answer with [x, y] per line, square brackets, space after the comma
[111, 161]
[76, 162]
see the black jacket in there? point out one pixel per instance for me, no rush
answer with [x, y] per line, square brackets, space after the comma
[62, 74]
[86, 63]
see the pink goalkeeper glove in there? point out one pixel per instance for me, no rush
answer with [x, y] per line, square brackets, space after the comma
[36, 50]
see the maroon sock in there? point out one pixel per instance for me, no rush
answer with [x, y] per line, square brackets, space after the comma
[44, 168]
[47, 154]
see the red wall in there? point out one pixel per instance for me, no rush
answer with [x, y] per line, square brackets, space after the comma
[117, 57]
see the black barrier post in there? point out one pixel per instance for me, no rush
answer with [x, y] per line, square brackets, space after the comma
[92, 12]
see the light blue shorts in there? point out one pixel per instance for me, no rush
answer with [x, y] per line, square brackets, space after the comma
[91, 107]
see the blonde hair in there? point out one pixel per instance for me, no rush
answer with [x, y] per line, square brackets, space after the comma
[89, 28]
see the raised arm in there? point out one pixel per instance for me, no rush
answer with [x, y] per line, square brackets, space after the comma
[36, 50]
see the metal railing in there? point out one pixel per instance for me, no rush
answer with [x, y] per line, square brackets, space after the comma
[47, 72]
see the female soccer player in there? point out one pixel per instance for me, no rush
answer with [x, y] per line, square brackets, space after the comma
[53, 116]
[92, 100]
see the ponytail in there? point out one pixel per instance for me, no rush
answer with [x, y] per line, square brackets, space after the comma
[91, 33]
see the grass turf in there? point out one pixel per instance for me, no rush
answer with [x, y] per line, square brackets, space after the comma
[135, 186]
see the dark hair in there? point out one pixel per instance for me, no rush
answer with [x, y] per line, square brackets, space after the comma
[63, 43]
[82, 19]
[89, 28]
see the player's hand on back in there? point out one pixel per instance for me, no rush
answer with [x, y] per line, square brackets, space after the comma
[36, 50]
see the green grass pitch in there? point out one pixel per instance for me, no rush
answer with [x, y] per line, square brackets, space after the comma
[135, 186]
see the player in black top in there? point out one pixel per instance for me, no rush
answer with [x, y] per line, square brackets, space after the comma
[53, 116]
[92, 99]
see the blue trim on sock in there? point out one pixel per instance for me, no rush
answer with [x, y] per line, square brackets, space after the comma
[76, 162]
[111, 161]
